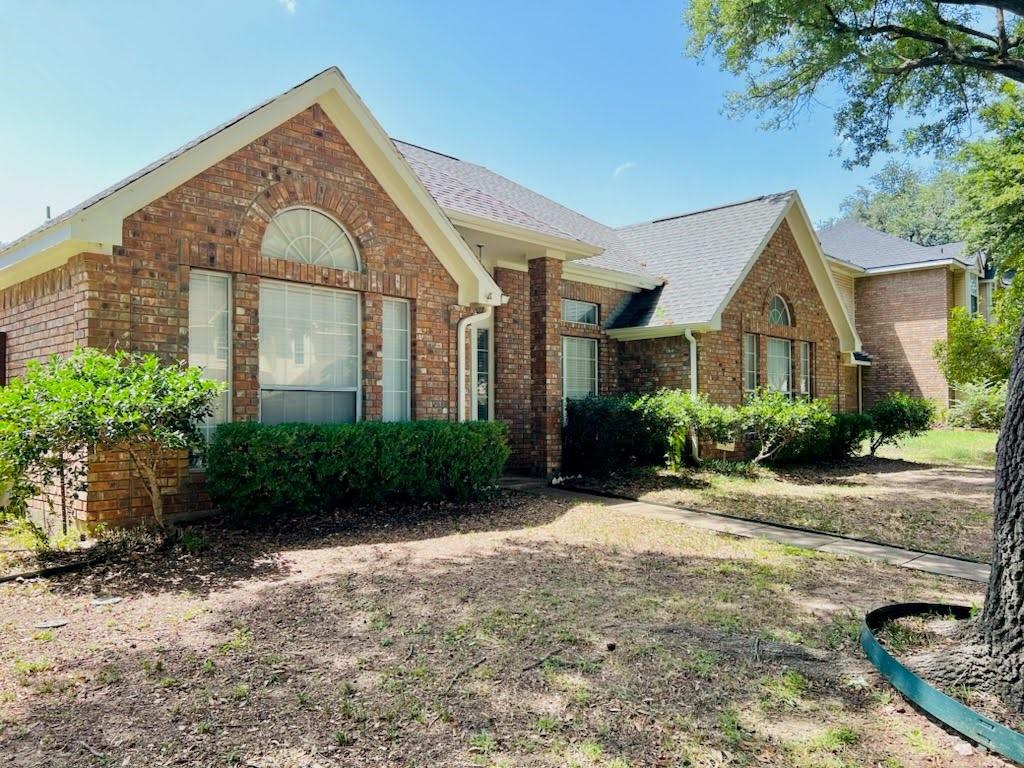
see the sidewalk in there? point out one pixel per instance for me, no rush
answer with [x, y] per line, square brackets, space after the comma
[823, 542]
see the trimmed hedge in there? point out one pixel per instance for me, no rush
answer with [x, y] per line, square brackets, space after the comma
[256, 470]
[838, 438]
[604, 434]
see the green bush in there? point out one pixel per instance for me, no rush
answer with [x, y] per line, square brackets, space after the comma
[978, 406]
[773, 422]
[690, 417]
[604, 434]
[833, 439]
[897, 416]
[256, 470]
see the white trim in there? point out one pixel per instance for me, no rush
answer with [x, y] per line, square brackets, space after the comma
[657, 331]
[597, 363]
[607, 278]
[230, 309]
[488, 325]
[572, 245]
[313, 209]
[915, 266]
[101, 224]
[408, 354]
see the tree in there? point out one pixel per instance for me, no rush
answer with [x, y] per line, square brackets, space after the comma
[935, 62]
[941, 65]
[66, 408]
[976, 351]
[916, 205]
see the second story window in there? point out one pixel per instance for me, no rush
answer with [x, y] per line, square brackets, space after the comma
[972, 293]
[582, 312]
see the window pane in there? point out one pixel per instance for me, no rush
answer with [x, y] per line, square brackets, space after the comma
[482, 384]
[805, 368]
[778, 312]
[284, 406]
[209, 318]
[579, 367]
[574, 311]
[749, 362]
[779, 365]
[396, 360]
[309, 237]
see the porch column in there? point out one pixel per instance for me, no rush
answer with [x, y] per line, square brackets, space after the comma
[546, 364]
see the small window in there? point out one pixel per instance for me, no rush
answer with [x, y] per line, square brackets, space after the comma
[972, 292]
[309, 237]
[805, 369]
[482, 374]
[780, 365]
[579, 367]
[749, 362]
[583, 312]
[396, 360]
[209, 337]
[778, 312]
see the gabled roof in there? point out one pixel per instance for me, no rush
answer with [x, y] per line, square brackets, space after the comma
[96, 223]
[868, 248]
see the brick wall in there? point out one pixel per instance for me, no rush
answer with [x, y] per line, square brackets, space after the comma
[779, 270]
[900, 316]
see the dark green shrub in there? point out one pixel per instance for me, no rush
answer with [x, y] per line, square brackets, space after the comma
[773, 422]
[897, 416]
[690, 417]
[978, 406]
[833, 439]
[257, 469]
[609, 433]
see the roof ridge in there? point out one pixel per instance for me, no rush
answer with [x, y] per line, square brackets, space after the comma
[720, 207]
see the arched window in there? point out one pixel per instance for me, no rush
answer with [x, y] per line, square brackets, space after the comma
[309, 237]
[778, 312]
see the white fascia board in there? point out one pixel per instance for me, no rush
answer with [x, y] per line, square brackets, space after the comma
[844, 266]
[607, 278]
[657, 332]
[915, 266]
[102, 222]
[571, 246]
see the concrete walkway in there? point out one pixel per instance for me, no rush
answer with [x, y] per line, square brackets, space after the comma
[823, 542]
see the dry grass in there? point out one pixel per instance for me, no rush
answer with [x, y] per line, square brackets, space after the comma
[531, 634]
[940, 509]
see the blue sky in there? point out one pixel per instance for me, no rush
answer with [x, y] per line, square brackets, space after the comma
[590, 103]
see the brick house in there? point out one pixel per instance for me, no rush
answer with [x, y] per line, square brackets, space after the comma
[900, 295]
[328, 273]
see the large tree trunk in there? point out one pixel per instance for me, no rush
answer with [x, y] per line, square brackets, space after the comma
[1002, 621]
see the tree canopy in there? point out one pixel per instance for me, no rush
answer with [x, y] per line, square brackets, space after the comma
[936, 62]
[904, 201]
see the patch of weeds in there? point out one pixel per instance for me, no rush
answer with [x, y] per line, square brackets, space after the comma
[825, 750]
[240, 640]
[168, 682]
[342, 739]
[785, 690]
[44, 636]
[546, 725]
[240, 692]
[483, 742]
[905, 634]
[920, 743]
[843, 631]
[192, 541]
[152, 667]
[703, 663]
[27, 669]
[731, 727]
[108, 674]
[208, 667]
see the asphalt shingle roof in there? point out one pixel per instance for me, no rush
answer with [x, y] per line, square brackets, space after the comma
[862, 246]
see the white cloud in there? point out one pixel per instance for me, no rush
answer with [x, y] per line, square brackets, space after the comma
[622, 168]
[288, 5]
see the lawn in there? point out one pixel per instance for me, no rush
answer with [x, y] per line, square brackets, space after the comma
[525, 631]
[930, 503]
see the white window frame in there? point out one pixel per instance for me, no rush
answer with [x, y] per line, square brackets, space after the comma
[575, 304]
[750, 339]
[785, 307]
[806, 369]
[359, 354]
[345, 233]
[408, 355]
[474, 404]
[229, 393]
[772, 340]
[597, 364]
[973, 294]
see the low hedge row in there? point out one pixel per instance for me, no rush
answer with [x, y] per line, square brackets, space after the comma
[256, 470]
[603, 434]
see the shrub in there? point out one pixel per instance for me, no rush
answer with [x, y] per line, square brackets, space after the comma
[690, 418]
[255, 470]
[978, 406]
[607, 433]
[833, 439]
[773, 422]
[897, 416]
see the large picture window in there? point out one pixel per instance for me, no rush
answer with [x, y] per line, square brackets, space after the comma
[309, 354]
[309, 237]
[579, 367]
[209, 337]
[396, 360]
[780, 365]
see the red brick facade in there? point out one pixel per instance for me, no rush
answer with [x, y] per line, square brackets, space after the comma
[900, 316]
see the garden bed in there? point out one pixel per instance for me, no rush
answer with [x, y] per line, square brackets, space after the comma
[517, 631]
[947, 510]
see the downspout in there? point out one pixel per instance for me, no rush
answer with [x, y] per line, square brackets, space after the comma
[460, 356]
[688, 334]
[860, 389]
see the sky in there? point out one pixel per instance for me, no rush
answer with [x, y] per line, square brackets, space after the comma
[591, 103]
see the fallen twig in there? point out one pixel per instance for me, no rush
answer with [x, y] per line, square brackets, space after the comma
[541, 660]
[461, 672]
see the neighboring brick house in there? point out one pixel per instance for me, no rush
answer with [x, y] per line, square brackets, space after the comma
[900, 295]
[328, 273]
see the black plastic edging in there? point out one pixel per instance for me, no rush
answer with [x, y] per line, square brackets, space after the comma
[52, 570]
[963, 719]
[787, 526]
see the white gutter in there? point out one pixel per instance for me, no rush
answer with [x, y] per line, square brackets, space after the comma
[688, 335]
[460, 336]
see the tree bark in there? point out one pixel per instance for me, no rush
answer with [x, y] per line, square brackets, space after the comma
[1002, 621]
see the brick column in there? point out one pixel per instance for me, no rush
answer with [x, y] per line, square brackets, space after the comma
[545, 365]
[245, 333]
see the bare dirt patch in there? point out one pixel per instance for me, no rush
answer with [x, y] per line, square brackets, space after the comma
[530, 632]
[939, 509]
